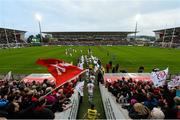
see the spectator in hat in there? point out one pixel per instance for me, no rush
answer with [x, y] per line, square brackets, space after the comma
[157, 113]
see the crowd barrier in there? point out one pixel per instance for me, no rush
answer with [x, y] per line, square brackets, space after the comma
[112, 109]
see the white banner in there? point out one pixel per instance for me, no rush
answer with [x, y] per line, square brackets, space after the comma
[159, 77]
[8, 76]
[175, 82]
[79, 87]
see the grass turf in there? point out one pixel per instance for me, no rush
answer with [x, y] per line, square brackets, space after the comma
[22, 60]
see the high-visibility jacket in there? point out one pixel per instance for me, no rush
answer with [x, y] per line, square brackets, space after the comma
[91, 66]
[92, 114]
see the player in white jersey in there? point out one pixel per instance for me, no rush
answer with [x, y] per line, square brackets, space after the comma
[90, 87]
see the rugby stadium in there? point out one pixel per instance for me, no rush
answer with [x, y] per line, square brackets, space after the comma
[85, 60]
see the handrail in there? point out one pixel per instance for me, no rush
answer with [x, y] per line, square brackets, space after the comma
[112, 111]
[107, 106]
[70, 114]
[74, 108]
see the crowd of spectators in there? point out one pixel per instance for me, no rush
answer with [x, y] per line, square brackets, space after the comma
[167, 42]
[11, 39]
[19, 100]
[112, 68]
[89, 43]
[144, 100]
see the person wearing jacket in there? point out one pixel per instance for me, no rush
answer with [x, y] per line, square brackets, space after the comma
[139, 111]
[151, 102]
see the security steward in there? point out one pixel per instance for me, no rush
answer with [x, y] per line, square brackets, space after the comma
[92, 113]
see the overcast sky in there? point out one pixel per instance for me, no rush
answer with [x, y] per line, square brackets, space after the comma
[90, 15]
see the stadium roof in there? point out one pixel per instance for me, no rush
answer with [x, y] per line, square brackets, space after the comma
[12, 30]
[177, 28]
[90, 32]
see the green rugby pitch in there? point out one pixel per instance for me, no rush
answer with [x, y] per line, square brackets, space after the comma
[22, 60]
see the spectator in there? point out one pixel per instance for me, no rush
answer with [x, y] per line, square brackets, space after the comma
[147, 94]
[117, 68]
[151, 102]
[40, 112]
[20, 100]
[139, 111]
[113, 68]
[100, 77]
[110, 63]
[141, 69]
[108, 66]
[157, 113]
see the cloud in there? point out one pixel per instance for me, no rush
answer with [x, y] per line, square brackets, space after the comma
[159, 20]
[91, 15]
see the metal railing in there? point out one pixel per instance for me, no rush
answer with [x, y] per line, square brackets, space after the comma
[109, 109]
[112, 109]
[75, 106]
[107, 104]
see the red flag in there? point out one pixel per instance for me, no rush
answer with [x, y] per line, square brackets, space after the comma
[63, 72]
[46, 62]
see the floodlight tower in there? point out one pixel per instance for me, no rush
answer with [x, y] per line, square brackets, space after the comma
[136, 19]
[39, 19]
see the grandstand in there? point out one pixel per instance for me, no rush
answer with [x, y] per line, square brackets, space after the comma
[90, 38]
[11, 37]
[168, 37]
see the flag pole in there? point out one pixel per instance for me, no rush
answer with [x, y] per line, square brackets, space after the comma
[64, 83]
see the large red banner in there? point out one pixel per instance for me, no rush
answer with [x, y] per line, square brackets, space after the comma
[63, 72]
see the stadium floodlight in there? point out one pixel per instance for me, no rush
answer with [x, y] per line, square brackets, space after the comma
[39, 18]
[137, 17]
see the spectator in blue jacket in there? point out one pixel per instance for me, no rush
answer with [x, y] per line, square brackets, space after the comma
[151, 101]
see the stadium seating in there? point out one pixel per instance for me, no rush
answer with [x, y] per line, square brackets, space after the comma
[8, 36]
[89, 43]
